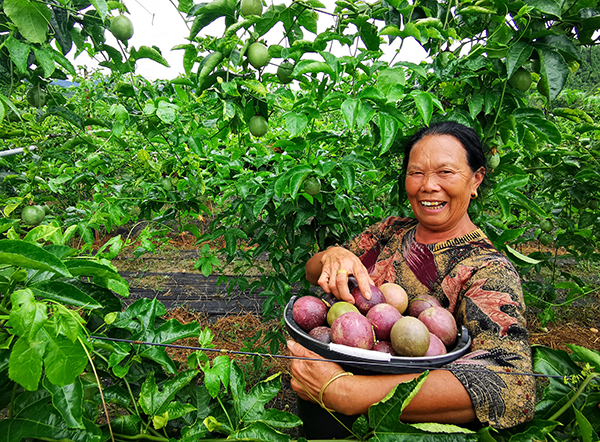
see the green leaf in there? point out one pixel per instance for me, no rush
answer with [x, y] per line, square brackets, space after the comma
[25, 363]
[295, 122]
[101, 7]
[68, 401]
[312, 66]
[43, 422]
[64, 360]
[217, 374]
[551, 7]
[84, 267]
[255, 86]
[517, 56]
[586, 431]
[154, 401]
[350, 112]
[150, 53]
[554, 68]
[390, 77]
[522, 257]
[586, 355]
[27, 316]
[249, 406]
[388, 127]
[424, 103]
[19, 53]
[383, 416]
[31, 18]
[65, 293]
[258, 431]
[349, 176]
[46, 60]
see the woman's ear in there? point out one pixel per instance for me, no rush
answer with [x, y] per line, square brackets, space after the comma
[478, 177]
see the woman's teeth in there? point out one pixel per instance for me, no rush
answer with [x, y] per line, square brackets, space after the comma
[433, 204]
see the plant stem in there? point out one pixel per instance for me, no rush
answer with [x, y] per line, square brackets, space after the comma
[112, 436]
[575, 396]
[11, 410]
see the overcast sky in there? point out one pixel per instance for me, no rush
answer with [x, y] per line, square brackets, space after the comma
[158, 23]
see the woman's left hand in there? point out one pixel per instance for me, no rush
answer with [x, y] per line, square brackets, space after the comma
[308, 377]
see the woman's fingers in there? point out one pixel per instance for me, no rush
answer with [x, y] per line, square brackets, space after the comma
[338, 265]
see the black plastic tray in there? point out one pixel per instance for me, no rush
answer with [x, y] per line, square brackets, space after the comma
[370, 361]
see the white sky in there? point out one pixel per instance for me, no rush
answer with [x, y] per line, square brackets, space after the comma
[158, 23]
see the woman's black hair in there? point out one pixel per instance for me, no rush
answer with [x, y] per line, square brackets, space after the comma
[465, 135]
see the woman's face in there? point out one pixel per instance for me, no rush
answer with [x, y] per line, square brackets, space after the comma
[439, 184]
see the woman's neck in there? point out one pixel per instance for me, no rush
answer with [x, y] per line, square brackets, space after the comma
[426, 236]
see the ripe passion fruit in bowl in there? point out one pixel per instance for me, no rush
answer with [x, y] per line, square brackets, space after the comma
[361, 361]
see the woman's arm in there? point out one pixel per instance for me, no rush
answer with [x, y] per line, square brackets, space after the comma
[442, 398]
[330, 270]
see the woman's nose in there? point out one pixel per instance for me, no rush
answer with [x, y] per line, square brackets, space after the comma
[430, 182]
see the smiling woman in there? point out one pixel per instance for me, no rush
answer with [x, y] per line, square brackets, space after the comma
[440, 253]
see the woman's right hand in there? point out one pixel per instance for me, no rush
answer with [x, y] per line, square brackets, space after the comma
[331, 268]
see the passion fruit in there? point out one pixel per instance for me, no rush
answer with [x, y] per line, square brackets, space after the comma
[33, 215]
[121, 27]
[410, 337]
[258, 126]
[521, 80]
[312, 186]
[284, 72]
[258, 55]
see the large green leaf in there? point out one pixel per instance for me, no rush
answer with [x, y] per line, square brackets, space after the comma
[25, 364]
[383, 416]
[424, 102]
[517, 56]
[350, 112]
[31, 18]
[64, 360]
[65, 293]
[296, 122]
[388, 128]
[44, 422]
[68, 401]
[554, 68]
[154, 401]
[23, 254]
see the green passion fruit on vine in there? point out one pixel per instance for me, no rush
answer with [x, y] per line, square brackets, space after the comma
[284, 72]
[521, 80]
[36, 97]
[258, 126]
[312, 186]
[494, 160]
[546, 226]
[546, 239]
[121, 27]
[33, 215]
[166, 183]
[258, 55]
[251, 7]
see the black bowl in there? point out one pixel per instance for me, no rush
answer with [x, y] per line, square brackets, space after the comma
[361, 361]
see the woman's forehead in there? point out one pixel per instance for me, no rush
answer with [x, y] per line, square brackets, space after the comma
[438, 150]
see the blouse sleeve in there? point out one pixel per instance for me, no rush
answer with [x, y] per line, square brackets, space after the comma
[490, 304]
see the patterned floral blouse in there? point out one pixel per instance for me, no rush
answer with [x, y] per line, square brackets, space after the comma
[482, 289]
